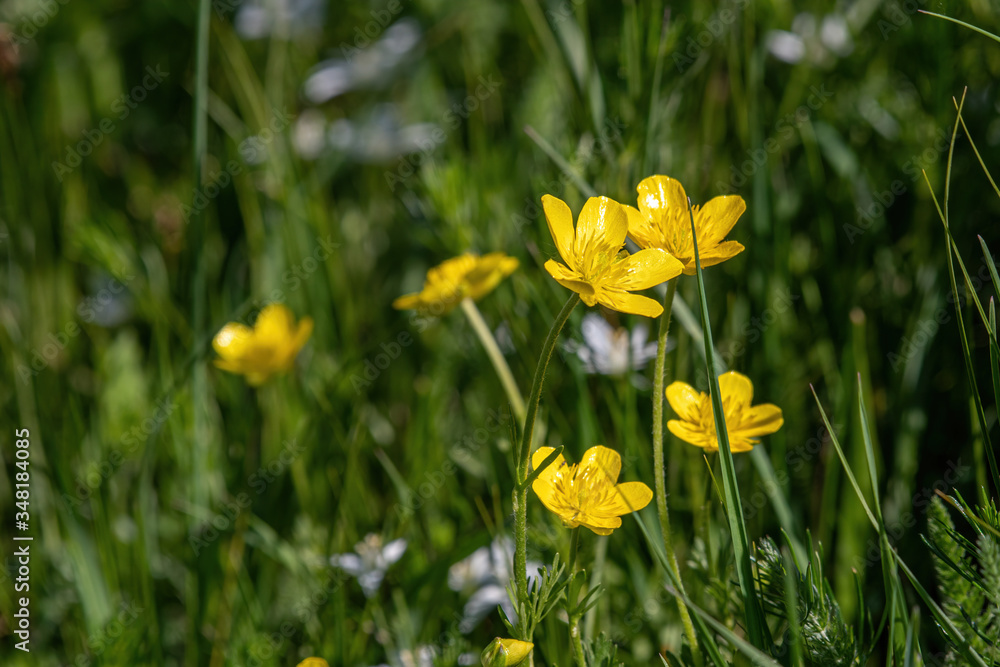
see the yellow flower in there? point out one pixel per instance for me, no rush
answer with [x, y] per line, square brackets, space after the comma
[270, 347]
[744, 422]
[662, 221]
[467, 275]
[586, 494]
[505, 652]
[595, 266]
[313, 662]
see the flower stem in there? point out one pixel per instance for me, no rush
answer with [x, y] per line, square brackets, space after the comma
[523, 451]
[574, 633]
[496, 357]
[659, 469]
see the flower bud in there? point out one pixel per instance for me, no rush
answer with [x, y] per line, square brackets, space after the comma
[505, 652]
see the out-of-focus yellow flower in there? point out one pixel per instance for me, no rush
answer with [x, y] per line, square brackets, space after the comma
[467, 275]
[596, 267]
[744, 422]
[313, 662]
[585, 494]
[662, 221]
[505, 652]
[269, 348]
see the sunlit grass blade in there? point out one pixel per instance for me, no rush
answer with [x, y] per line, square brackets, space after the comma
[961, 23]
[988, 258]
[843, 461]
[966, 350]
[756, 624]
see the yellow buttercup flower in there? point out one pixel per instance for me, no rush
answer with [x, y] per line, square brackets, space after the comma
[585, 494]
[467, 275]
[313, 662]
[744, 422]
[596, 267]
[269, 348]
[662, 221]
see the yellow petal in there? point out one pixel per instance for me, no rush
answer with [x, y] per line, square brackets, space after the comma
[758, 420]
[603, 463]
[692, 434]
[560, 220]
[720, 215]
[571, 280]
[539, 457]
[685, 401]
[631, 497]
[274, 326]
[602, 227]
[624, 302]
[232, 341]
[737, 390]
[602, 531]
[407, 302]
[645, 269]
[313, 662]
[715, 255]
[640, 228]
[660, 194]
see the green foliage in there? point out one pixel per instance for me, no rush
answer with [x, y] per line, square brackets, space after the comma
[826, 638]
[968, 576]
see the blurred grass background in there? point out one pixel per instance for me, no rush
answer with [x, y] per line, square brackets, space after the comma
[350, 147]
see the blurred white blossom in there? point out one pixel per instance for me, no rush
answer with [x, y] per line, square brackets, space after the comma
[370, 561]
[485, 573]
[820, 42]
[610, 351]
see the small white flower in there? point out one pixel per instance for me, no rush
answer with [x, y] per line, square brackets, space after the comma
[370, 561]
[486, 572]
[610, 351]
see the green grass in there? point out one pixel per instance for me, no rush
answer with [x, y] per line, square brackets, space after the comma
[181, 517]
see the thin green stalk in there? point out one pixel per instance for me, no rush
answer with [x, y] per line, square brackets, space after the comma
[574, 620]
[574, 632]
[659, 468]
[524, 449]
[755, 623]
[496, 357]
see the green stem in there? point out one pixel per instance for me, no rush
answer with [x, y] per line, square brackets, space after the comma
[524, 449]
[496, 357]
[659, 469]
[574, 633]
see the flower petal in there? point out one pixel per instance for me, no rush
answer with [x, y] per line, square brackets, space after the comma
[539, 457]
[274, 326]
[631, 497]
[601, 227]
[641, 229]
[571, 280]
[719, 216]
[758, 420]
[645, 269]
[233, 341]
[715, 255]
[560, 219]
[737, 391]
[685, 401]
[603, 463]
[660, 194]
[407, 302]
[624, 302]
[602, 531]
[692, 434]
